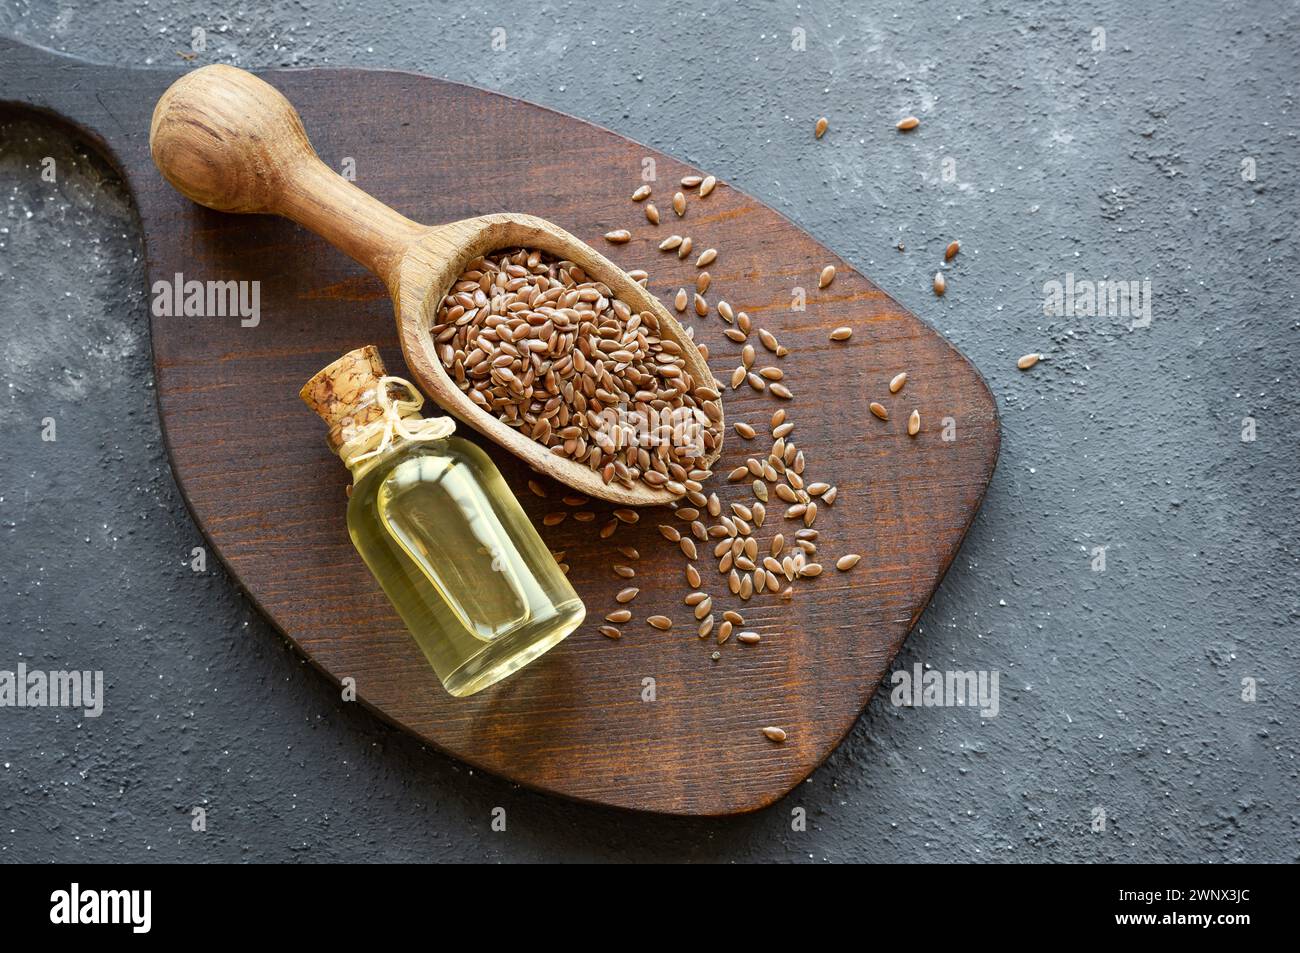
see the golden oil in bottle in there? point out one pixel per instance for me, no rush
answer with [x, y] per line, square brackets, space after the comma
[440, 530]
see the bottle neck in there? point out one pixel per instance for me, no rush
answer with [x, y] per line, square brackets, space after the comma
[361, 466]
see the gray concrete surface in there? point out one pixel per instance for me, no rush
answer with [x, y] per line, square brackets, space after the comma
[1120, 690]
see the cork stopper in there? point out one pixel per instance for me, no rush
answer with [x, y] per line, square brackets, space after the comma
[345, 394]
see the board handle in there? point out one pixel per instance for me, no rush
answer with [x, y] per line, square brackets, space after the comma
[232, 142]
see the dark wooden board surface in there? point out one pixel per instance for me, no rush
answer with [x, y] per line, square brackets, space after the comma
[253, 467]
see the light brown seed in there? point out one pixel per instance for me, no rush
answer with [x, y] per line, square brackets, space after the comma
[845, 563]
[641, 193]
[782, 430]
[951, 250]
[829, 496]
[744, 429]
[905, 125]
[627, 572]
[554, 519]
[688, 548]
[841, 334]
[706, 627]
[679, 204]
[774, 734]
[768, 339]
[651, 213]
[724, 631]
[537, 489]
[691, 181]
[897, 382]
[780, 390]
[661, 622]
[707, 257]
[703, 608]
[1028, 361]
[669, 243]
[826, 277]
[879, 410]
[685, 248]
[819, 130]
[619, 616]
[695, 598]
[609, 632]
[681, 300]
[707, 185]
[940, 284]
[618, 236]
[760, 490]
[627, 595]
[701, 305]
[669, 533]
[692, 577]
[914, 423]
[702, 285]
[726, 312]
[811, 569]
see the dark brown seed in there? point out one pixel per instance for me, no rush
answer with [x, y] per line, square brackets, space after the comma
[951, 250]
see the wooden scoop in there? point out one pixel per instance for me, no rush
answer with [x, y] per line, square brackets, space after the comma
[230, 141]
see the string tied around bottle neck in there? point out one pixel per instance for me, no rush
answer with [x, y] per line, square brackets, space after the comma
[401, 419]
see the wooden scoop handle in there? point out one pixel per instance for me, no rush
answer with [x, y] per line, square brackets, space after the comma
[232, 142]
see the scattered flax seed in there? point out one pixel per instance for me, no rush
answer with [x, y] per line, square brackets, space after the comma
[688, 548]
[738, 376]
[627, 572]
[706, 627]
[609, 632]
[780, 390]
[724, 631]
[661, 622]
[782, 430]
[679, 204]
[908, 124]
[669, 243]
[626, 515]
[820, 129]
[826, 277]
[707, 185]
[651, 213]
[768, 339]
[845, 563]
[744, 429]
[701, 305]
[841, 334]
[940, 284]
[748, 638]
[704, 608]
[702, 284]
[641, 194]
[669, 533]
[707, 257]
[537, 489]
[575, 499]
[829, 496]
[773, 733]
[584, 516]
[691, 181]
[811, 569]
[896, 384]
[914, 423]
[1028, 361]
[618, 236]
[739, 473]
[951, 250]
[726, 312]
[684, 248]
[879, 410]
[680, 301]
[695, 598]
[619, 616]
[554, 519]
[692, 577]
[760, 491]
[630, 552]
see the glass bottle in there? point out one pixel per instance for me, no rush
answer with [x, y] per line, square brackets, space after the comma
[440, 530]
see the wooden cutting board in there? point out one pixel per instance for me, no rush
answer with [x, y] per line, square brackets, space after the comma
[252, 464]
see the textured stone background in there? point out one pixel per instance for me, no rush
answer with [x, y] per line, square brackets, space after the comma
[1120, 690]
